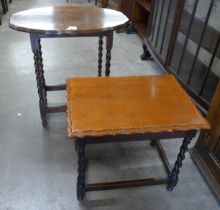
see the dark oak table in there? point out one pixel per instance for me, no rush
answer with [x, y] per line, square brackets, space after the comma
[66, 21]
[121, 109]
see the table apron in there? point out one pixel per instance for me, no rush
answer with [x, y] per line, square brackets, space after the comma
[71, 35]
[137, 137]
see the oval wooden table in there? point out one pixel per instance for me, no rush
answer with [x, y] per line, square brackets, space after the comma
[66, 21]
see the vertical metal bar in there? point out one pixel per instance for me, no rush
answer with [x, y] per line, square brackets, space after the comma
[210, 66]
[155, 18]
[187, 36]
[161, 15]
[200, 41]
[165, 26]
[178, 15]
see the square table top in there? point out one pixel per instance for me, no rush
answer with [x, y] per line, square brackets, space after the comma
[128, 105]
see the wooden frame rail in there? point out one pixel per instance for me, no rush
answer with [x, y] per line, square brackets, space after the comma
[172, 174]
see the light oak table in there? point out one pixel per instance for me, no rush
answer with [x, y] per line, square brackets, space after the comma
[121, 109]
[66, 21]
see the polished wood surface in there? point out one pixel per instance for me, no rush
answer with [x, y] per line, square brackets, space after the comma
[126, 105]
[68, 20]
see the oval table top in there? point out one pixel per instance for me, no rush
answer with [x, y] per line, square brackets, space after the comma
[68, 20]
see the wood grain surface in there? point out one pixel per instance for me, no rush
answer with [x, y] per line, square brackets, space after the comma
[71, 20]
[128, 105]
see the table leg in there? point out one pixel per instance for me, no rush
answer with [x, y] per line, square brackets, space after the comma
[75, 145]
[146, 55]
[109, 44]
[153, 143]
[38, 63]
[4, 6]
[100, 56]
[81, 170]
[173, 179]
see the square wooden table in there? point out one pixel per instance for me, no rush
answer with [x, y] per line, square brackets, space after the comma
[120, 109]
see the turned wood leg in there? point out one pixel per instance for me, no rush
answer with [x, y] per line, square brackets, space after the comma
[146, 54]
[173, 179]
[4, 8]
[39, 71]
[75, 143]
[6, 5]
[81, 170]
[100, 56]
[109, 44]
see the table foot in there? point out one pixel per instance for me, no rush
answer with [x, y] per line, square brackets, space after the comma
[146, 54]
[173, 179]
[170, 189]
[43, 110]
[153, 143]
[81, 170]
[44, 123]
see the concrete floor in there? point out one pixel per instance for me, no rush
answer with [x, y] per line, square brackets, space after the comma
[38, 167]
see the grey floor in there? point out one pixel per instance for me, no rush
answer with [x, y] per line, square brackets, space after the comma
[38, 167]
